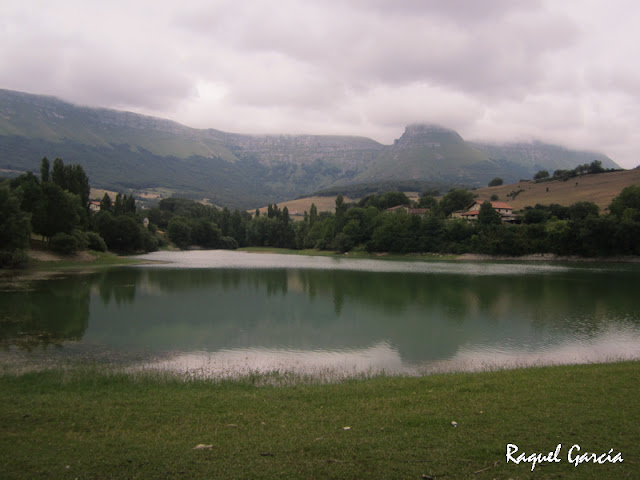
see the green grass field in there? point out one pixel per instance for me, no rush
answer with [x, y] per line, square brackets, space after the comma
[87, 423]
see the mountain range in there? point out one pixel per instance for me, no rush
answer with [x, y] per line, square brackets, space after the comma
[128, 152]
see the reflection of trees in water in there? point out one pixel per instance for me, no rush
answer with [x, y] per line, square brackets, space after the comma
[549, 298]
[543, 299]
[422, 315]
[49, 313]
[118, 285]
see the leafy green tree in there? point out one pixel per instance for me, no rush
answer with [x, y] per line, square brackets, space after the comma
[105, 204]
[15, 229]
[27, 188]
[118, 205]
[596, 167]
[256, 231]
[341, 210]
[595, 236]
[488, 215]
[126, 235]
[130, 204]
[558, 236]
[68, 242]
[179, 232]
[534, 216]
[581, 210]
[313, 214]
[627, 203]
[457, 232]
[238, 226]
[57, 173]
[496, 182]
[321, 233]
[353, 229]
[428, 201]
[343, 242]
[431, 234]
[96, 242]
[285, 216]
[57, 211]
[203, 233]
[44, 170]
[77, 182]
[542, 174]
[626, 235]
[456, 199]
[395, 233]
[392, 199]
[301, 230]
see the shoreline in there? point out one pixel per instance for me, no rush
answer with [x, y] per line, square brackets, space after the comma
[548, 257]
[465, 257]
[43, 262]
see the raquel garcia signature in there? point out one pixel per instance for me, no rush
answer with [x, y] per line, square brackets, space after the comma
[573, 456]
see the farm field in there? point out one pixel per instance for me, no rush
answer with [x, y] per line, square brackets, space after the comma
[598, 188]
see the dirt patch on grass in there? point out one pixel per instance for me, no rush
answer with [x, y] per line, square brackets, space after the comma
[48, 256]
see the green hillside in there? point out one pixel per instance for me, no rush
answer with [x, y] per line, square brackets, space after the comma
[438, 154]
[133, 153]
[538, 155]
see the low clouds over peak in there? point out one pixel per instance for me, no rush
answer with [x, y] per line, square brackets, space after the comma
[491, 69]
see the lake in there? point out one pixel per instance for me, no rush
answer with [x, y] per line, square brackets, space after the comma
[223, 313]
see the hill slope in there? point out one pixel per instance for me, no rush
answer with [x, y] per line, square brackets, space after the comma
[124, 151]
[538, 156]
[599, 188]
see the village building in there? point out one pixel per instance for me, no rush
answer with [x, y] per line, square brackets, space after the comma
[94, 206]
[471, 212]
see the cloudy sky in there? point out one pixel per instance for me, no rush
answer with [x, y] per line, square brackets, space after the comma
[559, 71]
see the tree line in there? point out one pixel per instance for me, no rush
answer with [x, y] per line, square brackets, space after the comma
[580, 229]
[56, 206]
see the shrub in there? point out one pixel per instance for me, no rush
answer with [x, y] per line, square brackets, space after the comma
[229, 243]
[95, 242]
[343, 242]
[64, 243]
[149, 242]
[14, 259]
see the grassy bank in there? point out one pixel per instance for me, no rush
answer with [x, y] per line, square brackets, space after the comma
[89, 424]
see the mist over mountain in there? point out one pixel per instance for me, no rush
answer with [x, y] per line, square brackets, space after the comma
[124, 151]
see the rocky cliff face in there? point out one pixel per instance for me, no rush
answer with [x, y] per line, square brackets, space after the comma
[343, 151]
[426, 135]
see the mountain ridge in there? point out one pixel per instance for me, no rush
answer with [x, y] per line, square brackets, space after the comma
[124, 150]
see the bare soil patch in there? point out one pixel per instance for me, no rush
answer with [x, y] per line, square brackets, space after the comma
[48, 256]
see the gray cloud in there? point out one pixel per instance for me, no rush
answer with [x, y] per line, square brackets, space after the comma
[557, 71]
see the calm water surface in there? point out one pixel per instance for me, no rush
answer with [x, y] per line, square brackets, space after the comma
[221, 313]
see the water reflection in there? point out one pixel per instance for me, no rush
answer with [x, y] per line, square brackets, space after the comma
[51, 314]
[217, 319]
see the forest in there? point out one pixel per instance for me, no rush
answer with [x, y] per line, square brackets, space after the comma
[55, 206]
